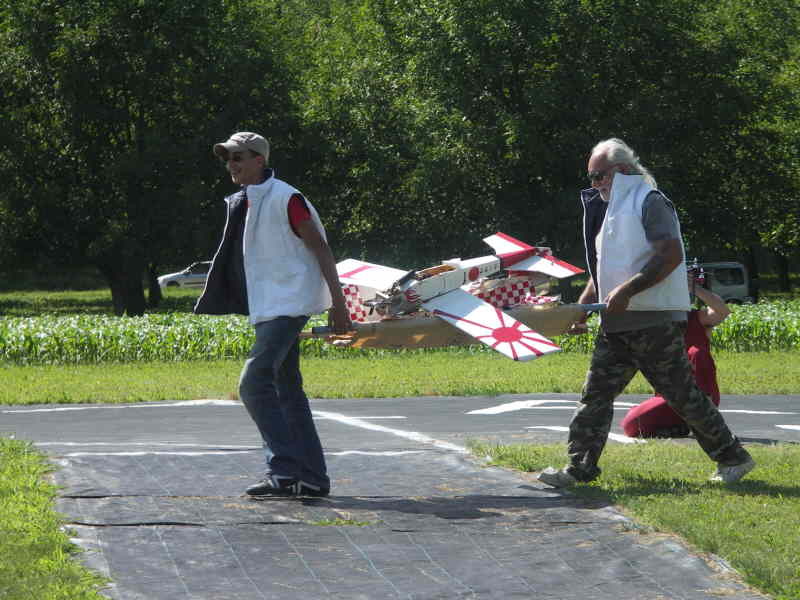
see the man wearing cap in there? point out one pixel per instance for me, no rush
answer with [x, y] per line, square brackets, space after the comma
[274, 264]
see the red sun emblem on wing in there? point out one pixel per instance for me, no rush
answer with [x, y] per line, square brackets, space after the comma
[521, 339]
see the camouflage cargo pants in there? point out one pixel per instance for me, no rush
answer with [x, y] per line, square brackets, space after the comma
[659, 353]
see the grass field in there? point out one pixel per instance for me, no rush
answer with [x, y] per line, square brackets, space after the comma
[662, 485]
[37, 557]
[393, 375]
[29, 303]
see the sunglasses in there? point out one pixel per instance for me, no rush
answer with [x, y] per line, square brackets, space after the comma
[239, 156]
[598, 175]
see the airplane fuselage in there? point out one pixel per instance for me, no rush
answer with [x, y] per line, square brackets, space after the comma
[432, 282]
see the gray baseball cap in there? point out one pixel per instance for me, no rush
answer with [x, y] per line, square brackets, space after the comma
[243, 140]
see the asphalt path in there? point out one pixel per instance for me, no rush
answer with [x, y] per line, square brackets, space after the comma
[153, 493]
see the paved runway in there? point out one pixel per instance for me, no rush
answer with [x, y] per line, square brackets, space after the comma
[153, 493]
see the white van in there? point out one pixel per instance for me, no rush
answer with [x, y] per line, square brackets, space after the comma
[729, 280]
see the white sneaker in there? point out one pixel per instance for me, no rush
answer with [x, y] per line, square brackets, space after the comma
[556, 477]
[733, 473]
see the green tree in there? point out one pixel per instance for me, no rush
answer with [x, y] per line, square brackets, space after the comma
[115, 104]
[448, 119]
[760, 183]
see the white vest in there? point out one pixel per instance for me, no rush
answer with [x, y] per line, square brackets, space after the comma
[283, 276]
[623, 250]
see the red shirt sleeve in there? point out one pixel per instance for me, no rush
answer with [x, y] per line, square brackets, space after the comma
[298, 212]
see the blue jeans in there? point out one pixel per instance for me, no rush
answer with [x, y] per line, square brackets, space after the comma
[271, 389]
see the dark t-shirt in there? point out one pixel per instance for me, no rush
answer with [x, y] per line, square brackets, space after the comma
[660, 223]
[237, 282]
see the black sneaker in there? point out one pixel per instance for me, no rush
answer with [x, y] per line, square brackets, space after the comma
[274, 485]
[308, 489]
[283, 485]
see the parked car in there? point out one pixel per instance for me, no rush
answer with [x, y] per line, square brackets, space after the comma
[729, 280]
[192, 276]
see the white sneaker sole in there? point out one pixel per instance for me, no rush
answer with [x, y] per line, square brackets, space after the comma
[556, 478]
[733, 477]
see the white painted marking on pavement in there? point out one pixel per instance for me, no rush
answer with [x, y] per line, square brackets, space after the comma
[622, 439]
[207, 452]
[550, 427]
[409, 435]
[183, 403]
[756, 412]
[518, 405]
[148, 444]
[367, 453]
[145, 453]
[794, 427]
[536, 404]
[368, 417]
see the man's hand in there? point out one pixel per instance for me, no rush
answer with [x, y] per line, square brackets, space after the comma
[588, 296]
[618, 299]
[339, 320]
[579, 328]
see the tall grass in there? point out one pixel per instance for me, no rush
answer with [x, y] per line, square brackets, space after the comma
[771, 325]
[77, 339]
[180, 336]
[763, 327]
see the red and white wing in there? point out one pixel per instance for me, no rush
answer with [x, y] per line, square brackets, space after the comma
[547, 264]
[519, 256]
[490, 325]
[364, 274]
[502, 243]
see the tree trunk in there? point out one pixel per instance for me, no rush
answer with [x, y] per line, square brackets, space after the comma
[154, 295]
[754, 285]
[784, 285]
[124, 277]
[114, 285]
[135, 303]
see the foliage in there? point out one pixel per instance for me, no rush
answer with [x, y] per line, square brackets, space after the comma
[472, 115]
[33, 303]
[37, 554]
[75, 339]
[128, 97]
[762, 205]
[766, 326]
[762, 327]
[94, 339]
[417, 127]
[753, 525]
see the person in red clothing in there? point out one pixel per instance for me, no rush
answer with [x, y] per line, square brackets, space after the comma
[653, 417]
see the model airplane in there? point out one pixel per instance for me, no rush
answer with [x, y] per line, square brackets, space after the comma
[442, 291]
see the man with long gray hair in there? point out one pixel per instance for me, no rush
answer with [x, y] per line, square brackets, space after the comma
[635, 257]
